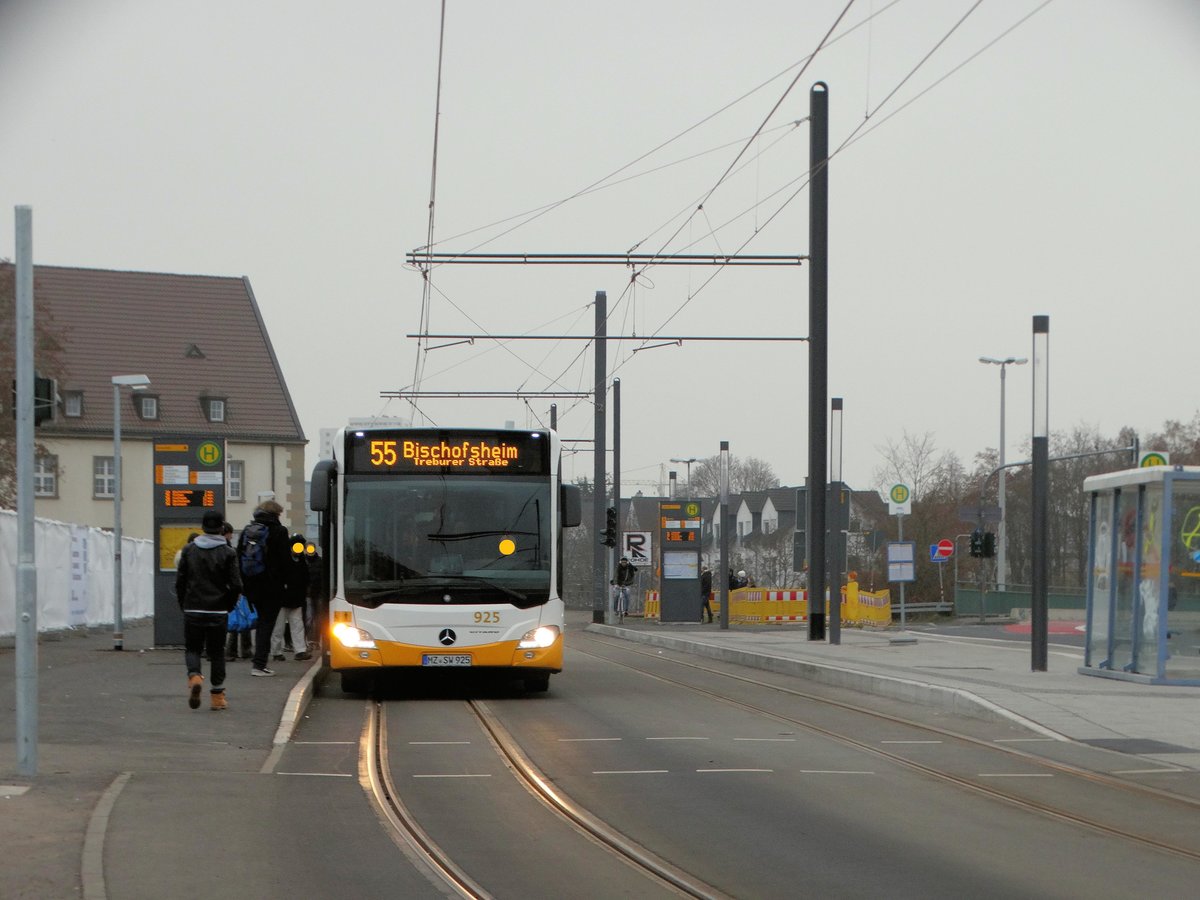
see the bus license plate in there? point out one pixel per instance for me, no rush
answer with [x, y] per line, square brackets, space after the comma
[445, 659]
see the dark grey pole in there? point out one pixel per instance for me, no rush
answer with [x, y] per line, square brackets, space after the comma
[616, 489]
[26, 583]
[722, 574]
[837, 537]
[554, 417]
[1039, 612]
[599, 557]
[818, 356]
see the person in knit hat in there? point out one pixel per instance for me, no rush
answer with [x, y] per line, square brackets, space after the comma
[207, 585]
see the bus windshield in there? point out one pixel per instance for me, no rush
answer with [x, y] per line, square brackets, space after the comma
[445, 539]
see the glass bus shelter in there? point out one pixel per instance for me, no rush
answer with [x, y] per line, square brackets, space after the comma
[1143, 591]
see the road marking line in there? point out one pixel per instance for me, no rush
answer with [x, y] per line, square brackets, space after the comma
[833, 772]
[584, 740]
[780, 740]
[1146, 771]
[679, 738]
[323, 743]
[436, 743]
[710, 771]
[1015, 775]
[319, 774]
[631, 772]
[910, 742]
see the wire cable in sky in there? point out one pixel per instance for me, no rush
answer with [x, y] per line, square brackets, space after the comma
[426, 283]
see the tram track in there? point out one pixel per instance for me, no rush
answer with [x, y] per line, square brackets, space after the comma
[1187, 806]
[440, 865]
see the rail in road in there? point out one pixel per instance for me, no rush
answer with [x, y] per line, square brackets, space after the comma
[454, 779]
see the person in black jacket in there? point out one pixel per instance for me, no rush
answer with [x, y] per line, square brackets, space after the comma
[207, 585]
[706, 594]
[265, 590]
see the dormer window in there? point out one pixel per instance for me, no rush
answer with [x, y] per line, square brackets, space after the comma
[214, 408]
[72, 404]
[146, 405]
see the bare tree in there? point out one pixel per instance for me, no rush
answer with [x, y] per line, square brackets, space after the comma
[914, 461]
[750, 474]
[47, 354]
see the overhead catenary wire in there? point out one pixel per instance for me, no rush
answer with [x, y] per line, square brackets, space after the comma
[537, 212]
[426, 283]
[856, 135]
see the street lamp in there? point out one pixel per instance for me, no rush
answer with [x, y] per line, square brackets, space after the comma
[688, 462]
[1001, 537]
[136, 383]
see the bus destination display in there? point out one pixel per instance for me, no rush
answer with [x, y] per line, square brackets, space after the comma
[482, 453]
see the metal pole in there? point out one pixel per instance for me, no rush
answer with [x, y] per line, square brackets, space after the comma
[900, 538]
[818, 356]
[118, 626]
[599, 556]
[26, 582]
[1002, 531]
[723, 572]
[1041, 465]
[616, 489]
[554, 417]
[837, 536]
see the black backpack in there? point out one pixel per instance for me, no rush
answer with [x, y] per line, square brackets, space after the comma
[252, 554]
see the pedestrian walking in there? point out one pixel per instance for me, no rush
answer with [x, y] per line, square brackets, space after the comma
[207, 585]
[295, 593]
[264, 556]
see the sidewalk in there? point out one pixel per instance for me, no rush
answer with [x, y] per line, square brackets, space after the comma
[101, 713]
[981, 677]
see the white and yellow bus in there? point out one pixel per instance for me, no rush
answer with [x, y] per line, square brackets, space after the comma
[444, 549]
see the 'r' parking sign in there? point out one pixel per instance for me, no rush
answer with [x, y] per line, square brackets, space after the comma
[635, 545]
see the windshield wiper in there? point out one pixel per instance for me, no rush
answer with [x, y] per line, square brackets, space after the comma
[425, 584]
[468, 535]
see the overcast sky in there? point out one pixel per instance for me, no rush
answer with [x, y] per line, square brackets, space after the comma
[1056, 172]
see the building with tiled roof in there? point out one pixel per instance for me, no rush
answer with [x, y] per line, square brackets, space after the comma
[202, 342]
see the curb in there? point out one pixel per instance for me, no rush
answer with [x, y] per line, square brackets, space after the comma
[294, 708]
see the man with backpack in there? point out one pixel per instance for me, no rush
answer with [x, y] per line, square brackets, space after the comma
[263, 556]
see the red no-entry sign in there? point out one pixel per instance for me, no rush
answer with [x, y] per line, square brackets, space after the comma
[945, 549]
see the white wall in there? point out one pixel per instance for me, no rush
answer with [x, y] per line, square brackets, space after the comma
[75, 559]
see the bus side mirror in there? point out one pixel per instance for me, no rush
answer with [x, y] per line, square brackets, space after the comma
[320, 485]
[572, 505]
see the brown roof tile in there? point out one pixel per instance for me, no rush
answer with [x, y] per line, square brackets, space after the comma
[193, 335]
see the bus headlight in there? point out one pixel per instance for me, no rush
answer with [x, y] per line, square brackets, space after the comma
[539, 638]
[353, 638]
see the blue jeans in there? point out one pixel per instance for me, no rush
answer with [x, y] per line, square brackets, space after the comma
[205, 632]
[621, 598]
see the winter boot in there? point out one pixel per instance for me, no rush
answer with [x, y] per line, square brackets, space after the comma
[218, 701]
[194, 682]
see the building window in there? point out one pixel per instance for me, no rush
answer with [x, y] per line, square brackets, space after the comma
[147, 405]
[236, 478]
[73, 404]
[45, 476]
[104, 477]
[215, 409]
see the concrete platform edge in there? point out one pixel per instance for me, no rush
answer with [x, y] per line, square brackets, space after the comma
[955, 700]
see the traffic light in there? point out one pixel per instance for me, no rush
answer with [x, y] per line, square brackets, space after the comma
[977, 543]
[609, 538]
[989, 545]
